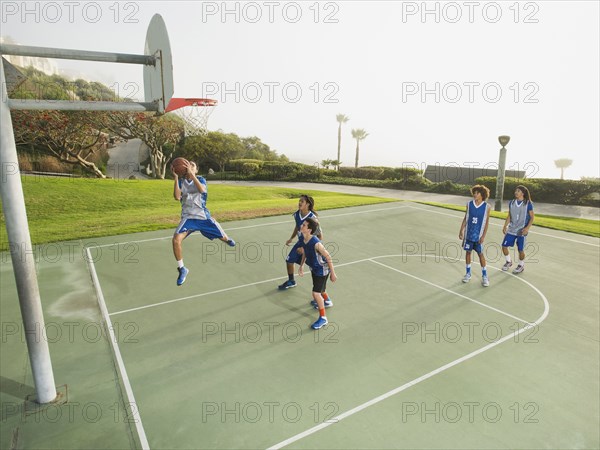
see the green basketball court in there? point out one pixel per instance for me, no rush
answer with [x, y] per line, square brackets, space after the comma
[412, 357]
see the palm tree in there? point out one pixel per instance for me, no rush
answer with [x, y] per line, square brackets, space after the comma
[341, 119]
[562, 164]
[326, 163]
[359, 134]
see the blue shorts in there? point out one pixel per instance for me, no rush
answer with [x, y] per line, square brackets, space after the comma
[209, 228]
[470, 245]
[294, 257]
[509, 241]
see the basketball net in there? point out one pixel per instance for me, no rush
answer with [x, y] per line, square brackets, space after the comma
[195, 114]
[196, 117]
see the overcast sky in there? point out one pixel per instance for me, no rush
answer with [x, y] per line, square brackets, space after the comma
[433, 82]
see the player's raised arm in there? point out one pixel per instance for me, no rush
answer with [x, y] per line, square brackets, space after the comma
[192, 170]
[176, 189]
[199, 185]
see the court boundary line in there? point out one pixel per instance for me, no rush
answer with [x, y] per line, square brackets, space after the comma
[117, 354]
[424, 377]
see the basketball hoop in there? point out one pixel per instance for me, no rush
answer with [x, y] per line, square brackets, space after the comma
[195, 113]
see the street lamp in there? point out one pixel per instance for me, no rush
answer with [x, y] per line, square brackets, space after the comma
[504, 140]
[318, 167]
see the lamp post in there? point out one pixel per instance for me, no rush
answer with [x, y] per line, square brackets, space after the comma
[318, 167]
[504, 140]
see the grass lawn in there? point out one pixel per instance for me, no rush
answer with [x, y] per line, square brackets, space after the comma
[62, 209]
[571, 224]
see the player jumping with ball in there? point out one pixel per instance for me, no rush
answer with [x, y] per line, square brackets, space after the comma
[192, 192]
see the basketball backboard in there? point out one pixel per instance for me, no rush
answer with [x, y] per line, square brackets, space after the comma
[158, 79]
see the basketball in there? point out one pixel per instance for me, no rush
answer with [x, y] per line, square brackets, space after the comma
[179, 166]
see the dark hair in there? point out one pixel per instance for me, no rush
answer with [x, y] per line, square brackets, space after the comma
[483, 190]
[525, 191]
[313, 224]
[311, 203]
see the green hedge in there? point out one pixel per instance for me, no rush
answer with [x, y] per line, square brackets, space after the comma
[565, 192]
[549, 190]
[248, 169]
[235, 163]
[414, 183]
[380, 173]
[367, 173]
[449, 187]
[286, 171]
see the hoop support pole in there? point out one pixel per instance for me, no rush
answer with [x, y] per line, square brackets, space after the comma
[21, 252]
[82, 55]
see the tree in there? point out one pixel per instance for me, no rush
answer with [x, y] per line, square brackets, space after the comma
[340, 119]
[160, 133]
[359, 134]
[69, 136]
[562, 164]
[213, 148]
[327, 162]
[254, 148]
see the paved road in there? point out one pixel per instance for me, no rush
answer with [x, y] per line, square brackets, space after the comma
[582, 212]
[124, 161]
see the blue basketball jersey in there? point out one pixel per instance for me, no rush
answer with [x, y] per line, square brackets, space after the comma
[314, 260]
[193, 202]
[300, 219]
[476, 220]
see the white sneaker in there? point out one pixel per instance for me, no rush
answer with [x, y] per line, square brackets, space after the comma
[466, 278]
[520, 268]
[485, 282]
[507, 265]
